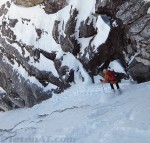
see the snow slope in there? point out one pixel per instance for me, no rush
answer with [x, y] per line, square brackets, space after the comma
[83, 114]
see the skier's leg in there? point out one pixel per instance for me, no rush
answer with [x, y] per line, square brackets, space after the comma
[117, 85]
[112, 87]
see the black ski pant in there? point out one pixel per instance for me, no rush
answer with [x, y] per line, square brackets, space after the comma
[112, 86]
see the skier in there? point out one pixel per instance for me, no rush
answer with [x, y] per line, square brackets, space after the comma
[109, 76]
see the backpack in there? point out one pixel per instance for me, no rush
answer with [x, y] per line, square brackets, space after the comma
[112, 76]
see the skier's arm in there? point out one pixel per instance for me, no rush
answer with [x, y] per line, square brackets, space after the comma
[105, 79]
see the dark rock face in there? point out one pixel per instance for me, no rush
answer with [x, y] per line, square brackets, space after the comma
[52, 6]
[86, 29]
[3, 10]
[68, 42]
[10, 80]
[55, 32]
[127, 31]
[28, 3]
[109, 51]
[139, 71]
[136, 25]
[27, 93]
[13, 22]
[71, 23]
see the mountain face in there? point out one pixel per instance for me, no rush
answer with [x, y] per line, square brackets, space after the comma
[48, 45]
[133, 19]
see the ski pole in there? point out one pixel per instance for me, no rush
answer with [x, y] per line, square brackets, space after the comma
[103, 87]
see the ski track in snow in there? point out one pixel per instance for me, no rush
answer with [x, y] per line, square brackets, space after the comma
[84, 114]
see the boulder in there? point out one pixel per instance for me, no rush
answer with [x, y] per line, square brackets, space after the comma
[28, 3]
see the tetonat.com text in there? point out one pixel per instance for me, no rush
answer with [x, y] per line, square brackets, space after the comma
[43, 139]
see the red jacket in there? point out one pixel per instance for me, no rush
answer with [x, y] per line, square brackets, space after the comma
[108, 79]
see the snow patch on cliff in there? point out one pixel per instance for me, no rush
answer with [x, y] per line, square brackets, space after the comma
[102, 33]
[148, 12]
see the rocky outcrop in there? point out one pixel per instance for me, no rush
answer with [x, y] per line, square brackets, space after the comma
[128, 38]
[135, 23]
[68, 41]
[28, 3]
[50, 6]
[86, 29]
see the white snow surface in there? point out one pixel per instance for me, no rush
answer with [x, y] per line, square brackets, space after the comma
[147, 0]
[116, 66]
[148, 12]
[3, 2]
[83, 114]
[102, 32]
